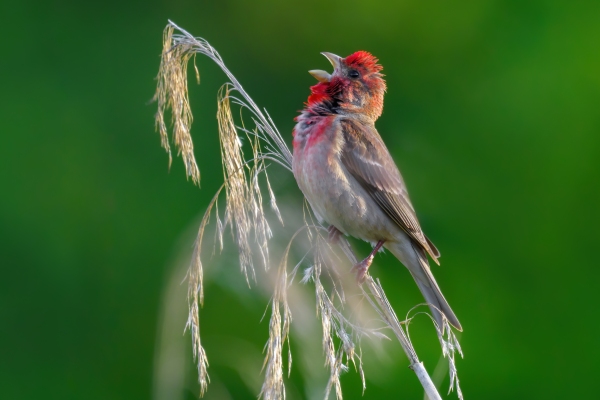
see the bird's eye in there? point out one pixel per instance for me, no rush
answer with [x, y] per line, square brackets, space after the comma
[353, 74]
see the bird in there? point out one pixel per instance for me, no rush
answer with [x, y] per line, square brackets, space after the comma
[347, 174]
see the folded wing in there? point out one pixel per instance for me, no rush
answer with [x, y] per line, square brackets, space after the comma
[370, 163]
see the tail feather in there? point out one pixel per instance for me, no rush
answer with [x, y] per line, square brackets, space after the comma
[418, 265]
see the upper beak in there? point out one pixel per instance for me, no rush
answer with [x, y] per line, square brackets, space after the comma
[333, 59]
[323, 76]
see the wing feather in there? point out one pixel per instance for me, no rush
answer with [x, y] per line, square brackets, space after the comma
[368, 160]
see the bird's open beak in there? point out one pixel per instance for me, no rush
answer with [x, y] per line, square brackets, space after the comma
[323, 76]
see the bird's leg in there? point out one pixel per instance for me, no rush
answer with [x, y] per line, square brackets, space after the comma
[362, 267]
[334, 234]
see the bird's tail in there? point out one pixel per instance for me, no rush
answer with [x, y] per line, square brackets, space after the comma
[415, 259]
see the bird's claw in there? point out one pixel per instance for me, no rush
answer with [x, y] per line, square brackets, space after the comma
[361, 269]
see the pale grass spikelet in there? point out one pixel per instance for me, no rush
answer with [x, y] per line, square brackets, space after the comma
[172, 92]
[245, 178]
[450, 347]
[236, 186]
[333, 323]
[273, 387]
[196, 299]
[449, 344]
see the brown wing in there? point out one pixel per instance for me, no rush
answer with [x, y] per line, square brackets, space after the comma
[370, 163]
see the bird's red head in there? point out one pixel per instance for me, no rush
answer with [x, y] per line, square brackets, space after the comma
[363, 61]
[356, 85]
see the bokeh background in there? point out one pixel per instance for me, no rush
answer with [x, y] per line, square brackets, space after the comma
[492, 113]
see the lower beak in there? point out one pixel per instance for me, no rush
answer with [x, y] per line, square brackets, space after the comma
[319, 75]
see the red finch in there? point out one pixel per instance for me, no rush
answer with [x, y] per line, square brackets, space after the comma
[349, 177]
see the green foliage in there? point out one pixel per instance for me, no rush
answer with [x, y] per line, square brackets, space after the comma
[491, 114]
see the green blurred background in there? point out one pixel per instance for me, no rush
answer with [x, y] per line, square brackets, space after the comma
[492, 113]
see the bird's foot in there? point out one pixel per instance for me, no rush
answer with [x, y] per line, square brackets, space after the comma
[334, 234]
[361, 269]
